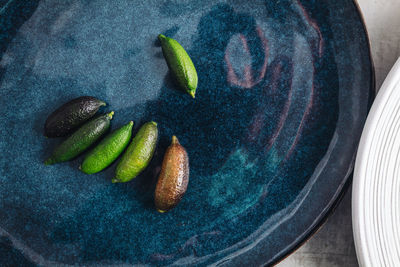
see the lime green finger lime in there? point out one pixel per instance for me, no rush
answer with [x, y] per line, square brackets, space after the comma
[179, 64]
[108, 150]
[138, 154]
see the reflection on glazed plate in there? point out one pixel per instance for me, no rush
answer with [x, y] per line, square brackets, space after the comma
[284, 89]
[376, 186]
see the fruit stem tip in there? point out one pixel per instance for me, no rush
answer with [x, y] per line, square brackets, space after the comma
[155, 123]
[131, 123]
[175, 140]
[160, 211]
[161, 36]
[192, 93]
[114, 180]
[111, 114]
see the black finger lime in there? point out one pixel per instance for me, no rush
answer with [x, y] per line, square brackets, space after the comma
[107, 150]
[80, 140]
[138, 154]
[71, 115]
[180, 64]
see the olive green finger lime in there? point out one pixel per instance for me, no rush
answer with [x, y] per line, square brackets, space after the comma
[179, 64]
[138, 154]
[107, 150]
[80, 140]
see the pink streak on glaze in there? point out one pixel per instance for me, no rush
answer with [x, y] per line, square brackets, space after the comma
[232, 78]
[259, 118]
[275, 75]
[315, 26]
[264, 42]
[244, 43]
[303, 119]
[248, 74]
[282, 118]
[191, 242]
[249, 81]
[256, 126]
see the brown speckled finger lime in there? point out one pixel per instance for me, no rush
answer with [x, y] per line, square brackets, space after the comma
[174, 177]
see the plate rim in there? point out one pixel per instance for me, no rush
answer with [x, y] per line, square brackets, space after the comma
[358, 207]
[346, 181]
[335, 201]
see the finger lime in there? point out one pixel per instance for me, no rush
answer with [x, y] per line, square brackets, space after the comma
[174, 177]
[138, 154]
[180, 64]
[107, 150]
[80, 140]
[71, 115]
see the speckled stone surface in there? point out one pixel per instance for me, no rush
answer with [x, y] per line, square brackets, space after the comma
[283, 93]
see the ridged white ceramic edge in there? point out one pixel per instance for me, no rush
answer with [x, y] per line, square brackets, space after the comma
[376, 180]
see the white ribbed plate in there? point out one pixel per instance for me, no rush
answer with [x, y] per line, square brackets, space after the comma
[376, 184]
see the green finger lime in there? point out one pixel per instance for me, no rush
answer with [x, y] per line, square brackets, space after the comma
[107, 150]
[180, 64]
[81, 140]
[138, 154]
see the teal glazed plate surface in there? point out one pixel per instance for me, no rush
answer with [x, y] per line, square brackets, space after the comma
[284, 90]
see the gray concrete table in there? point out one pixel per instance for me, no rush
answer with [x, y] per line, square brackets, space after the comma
[333, 245]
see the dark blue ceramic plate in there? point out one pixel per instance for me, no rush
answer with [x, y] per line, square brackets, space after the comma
[283, 93]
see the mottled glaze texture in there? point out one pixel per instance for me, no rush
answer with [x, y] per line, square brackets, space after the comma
[283, 93]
